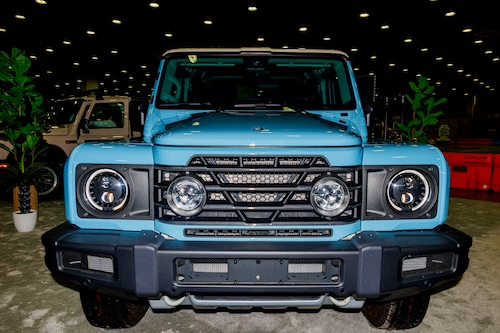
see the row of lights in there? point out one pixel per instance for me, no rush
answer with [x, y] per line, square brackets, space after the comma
[303, 28]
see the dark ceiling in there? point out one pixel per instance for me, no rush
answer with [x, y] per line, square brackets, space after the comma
[469, 67]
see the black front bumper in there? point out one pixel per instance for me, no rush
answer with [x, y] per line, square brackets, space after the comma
[370, 265]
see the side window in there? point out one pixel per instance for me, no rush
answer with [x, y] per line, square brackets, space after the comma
[106, 115]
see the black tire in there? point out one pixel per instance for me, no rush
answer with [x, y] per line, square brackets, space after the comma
[50, 184]
[400, 314]
[107, 311]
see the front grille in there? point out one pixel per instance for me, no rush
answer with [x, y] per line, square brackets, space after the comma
[250, 190]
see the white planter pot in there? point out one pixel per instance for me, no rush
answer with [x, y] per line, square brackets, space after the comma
[25, 222]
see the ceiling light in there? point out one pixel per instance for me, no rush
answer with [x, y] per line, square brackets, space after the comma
[496, 59]
[94, 57]
[114, 51]
[66, 42]
[41, 2]
[90, 32]
[373, 57]
[252, 7]
[467, 29]
[168, 34]
[384, 26]
[49, 50]
[207, 21]
[20, 17]
[260, 38]
[2, 29]
[408, 40]
[303, 28]
[364, 14]
[478, 41]
[327, 38]
[33, 57]
[450, 13]
[116, 21]
[439, 58]
[154, 4]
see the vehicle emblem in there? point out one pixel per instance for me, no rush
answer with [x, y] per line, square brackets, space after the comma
[192, 58]
[260, 129]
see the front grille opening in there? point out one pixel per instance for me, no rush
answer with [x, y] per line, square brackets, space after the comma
[258, 189]
[258, 271]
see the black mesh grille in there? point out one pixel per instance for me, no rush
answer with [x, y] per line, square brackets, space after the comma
[258, 189]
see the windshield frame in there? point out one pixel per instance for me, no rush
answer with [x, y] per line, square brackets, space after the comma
[181, 70]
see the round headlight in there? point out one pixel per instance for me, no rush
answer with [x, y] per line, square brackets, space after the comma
[330, 196]
[186, 196]
[106, 190]
[408, 191]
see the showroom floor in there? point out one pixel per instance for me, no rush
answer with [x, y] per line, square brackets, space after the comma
[32, 301]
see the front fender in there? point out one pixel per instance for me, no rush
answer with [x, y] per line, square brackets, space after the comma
[105, 154]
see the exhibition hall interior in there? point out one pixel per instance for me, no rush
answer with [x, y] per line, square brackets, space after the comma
[112, 48]
[78, 46]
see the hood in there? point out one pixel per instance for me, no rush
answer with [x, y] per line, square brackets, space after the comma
[256, 129]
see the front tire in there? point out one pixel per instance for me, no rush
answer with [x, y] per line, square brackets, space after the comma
[399, 314]
[107, 311]
[50, 183]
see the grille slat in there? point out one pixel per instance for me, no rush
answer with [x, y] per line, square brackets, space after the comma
[263, 189]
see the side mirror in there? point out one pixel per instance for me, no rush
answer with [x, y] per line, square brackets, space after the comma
[143, 109]
[367, 110]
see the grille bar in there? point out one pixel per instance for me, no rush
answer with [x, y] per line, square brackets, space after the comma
[264, 189]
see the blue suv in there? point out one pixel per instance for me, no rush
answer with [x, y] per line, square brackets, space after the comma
[255, 186]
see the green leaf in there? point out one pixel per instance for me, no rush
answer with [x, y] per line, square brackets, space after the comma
[414, 122]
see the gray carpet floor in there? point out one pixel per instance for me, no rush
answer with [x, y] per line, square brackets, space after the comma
[32, 301]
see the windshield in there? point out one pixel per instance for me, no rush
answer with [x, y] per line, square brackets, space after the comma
[64, 112]
[239, 81]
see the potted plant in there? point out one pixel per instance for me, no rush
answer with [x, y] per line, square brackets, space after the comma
[22, 124]
[425, 114]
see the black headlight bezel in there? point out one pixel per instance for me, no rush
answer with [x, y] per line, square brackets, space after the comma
[137, 204]
[377, 201]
